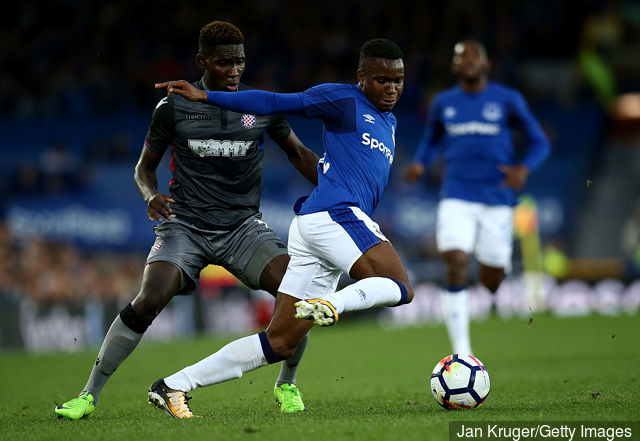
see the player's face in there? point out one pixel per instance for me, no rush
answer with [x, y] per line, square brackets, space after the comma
[223, 67]
[469, 60]
[382, 81]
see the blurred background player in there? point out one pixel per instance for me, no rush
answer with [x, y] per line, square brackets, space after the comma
[332, 232]
[472, 123]
[217, 164]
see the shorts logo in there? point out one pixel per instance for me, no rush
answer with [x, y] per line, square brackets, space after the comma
[157, 245]
[249, 121]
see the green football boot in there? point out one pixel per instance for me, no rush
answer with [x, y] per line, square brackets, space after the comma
[289, 398]
[81, 407]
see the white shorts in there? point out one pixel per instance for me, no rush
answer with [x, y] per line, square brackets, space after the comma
[324, 245]
[475, 228]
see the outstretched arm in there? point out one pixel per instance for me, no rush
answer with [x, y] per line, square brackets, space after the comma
[257, 102]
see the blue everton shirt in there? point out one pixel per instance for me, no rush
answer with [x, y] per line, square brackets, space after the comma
[359, 140]
[474, 132]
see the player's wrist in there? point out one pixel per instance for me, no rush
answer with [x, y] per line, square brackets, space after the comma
[148, 198]
[209, 97]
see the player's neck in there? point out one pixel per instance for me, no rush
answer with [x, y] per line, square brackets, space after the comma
[473, 85]
[206, 84]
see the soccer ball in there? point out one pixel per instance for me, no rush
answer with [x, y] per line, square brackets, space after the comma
[460, 382]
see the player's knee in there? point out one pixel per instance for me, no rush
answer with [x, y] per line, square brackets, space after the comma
[146, 307]
[456, 260]
[406, 292]
[493, 282]
[135, 321]
[284, 346]
[491, 277]
[409, 292]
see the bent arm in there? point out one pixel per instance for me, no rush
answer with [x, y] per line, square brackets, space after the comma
[302, 158]
[538, 148]
[145, 173]
[158, 205]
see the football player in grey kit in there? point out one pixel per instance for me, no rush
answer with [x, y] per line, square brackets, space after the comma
[211, 215]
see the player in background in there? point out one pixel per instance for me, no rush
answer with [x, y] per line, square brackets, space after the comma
[472, 123]
[332, 231]
[211, 215]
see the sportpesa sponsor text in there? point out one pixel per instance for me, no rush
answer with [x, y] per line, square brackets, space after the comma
[373, 143]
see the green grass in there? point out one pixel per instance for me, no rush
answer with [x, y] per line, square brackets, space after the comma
[361, 382]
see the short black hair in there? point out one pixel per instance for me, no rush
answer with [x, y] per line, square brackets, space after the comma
[218, 33]
[379, 48]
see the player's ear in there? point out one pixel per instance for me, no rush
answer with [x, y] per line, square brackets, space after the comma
[360, 76]
[200, 61]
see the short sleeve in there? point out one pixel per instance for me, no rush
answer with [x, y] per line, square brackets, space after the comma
[279, 129]
[162, 127]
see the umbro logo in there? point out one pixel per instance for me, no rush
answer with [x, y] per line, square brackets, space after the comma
[368, 118]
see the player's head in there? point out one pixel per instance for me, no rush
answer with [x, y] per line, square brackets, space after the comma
[221, 55]
[381, 73]
[470, 61]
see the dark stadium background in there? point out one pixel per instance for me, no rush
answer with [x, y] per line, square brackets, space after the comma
[77, 93]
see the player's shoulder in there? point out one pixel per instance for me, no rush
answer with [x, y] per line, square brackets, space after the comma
[449, 93]
[169, 102]
[504, 90]
[334, 89]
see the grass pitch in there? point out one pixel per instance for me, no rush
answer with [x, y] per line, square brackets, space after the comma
[360, 382]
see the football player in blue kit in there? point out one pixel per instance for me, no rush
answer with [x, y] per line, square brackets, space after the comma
[471, 123]
[332, 231]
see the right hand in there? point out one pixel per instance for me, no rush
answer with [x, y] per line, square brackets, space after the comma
[414, 172]
[184, 89]
[158, 206]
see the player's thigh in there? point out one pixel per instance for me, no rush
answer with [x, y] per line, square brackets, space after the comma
[248, 250]
[380, 261]
[184, 248]
[340, 236]
[495, 237]
[456, 225]
[308, 275]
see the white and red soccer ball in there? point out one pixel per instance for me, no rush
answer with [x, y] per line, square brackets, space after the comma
[460, 382]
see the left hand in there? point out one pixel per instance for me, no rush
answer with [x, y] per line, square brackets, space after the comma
[184, 89]
[515, 175]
